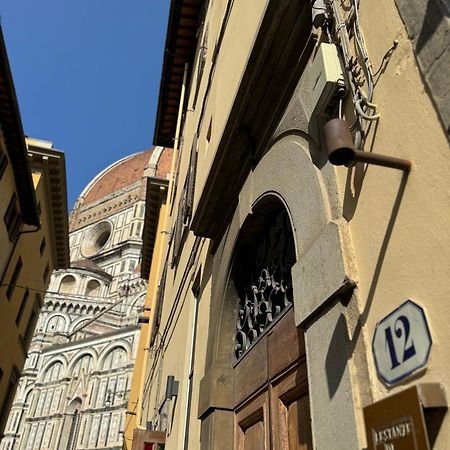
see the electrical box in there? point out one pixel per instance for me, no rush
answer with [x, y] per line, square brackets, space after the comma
[327, 80]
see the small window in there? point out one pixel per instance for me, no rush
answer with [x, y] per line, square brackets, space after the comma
[131, 265]
[138, 229]
[93, 288]
[30, 328]
[14, 278]
[46, 273]
[55, 324]
[68, 284]
[22, 307]
[12, 219]
[3, 162]
[141, 214]
[10, 391]
[42, 246]
[122, 267]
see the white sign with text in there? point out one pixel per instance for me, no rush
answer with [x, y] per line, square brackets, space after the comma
[401, 343]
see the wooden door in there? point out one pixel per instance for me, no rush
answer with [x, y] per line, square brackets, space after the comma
[271, 392]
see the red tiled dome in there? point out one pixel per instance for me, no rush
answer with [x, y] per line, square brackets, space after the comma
[118, 176]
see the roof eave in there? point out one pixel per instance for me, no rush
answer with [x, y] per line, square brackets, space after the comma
[175, 57]
[53, 162]
[11, 126]
[155, 197]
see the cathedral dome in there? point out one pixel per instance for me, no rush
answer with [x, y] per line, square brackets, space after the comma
[120, 184]
[117, 176]
[126, 172]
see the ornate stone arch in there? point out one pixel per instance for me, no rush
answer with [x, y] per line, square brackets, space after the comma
[93, 287]
[53, 318]
[71, 424]
[81, 354]
[324, 268]
[132, 308]
[75, 323]
[59, 359]
[68, 284]
[112, 346]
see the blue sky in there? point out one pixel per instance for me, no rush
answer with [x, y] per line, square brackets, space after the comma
[87, 76]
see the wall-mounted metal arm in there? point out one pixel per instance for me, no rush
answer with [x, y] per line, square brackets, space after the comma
[381, 160]
[339, 144]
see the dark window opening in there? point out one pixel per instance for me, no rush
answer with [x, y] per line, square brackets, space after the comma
[46, 273]
[12, 219]
[22, 307]
[42, 246]
[7, 401]
[30, 328]
[3, 163]
[14, 278]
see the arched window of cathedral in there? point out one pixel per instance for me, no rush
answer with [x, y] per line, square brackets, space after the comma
[115, 358]
[67, 285]
[93, 288]
[72, 424]
[56, 324]
[84, 363]
[54, 372]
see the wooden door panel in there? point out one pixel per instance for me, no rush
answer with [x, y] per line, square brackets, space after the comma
[285, 344]
[252, 426]
[290, 414]
[250, 373]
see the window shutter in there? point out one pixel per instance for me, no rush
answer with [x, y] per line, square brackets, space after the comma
[178, 230]
[159, 301]
[190, 182]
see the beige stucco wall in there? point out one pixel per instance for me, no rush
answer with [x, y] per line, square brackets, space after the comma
[13, 345]
[144, 336]
[7, 188]
[399, 229]
[386, 231]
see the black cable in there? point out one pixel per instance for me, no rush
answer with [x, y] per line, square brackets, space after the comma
[69, 296]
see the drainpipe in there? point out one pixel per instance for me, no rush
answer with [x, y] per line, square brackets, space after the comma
[162, 246]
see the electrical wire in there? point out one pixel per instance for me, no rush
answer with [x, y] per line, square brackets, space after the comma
[69, 296]
[364, 108]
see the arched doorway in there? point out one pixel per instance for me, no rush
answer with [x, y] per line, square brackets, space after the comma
[271, 402]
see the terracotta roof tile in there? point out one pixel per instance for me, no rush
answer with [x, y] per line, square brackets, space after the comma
[119, 176]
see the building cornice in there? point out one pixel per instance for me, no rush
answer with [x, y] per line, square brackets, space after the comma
[181, 42]
[66, 346]
[52, 163]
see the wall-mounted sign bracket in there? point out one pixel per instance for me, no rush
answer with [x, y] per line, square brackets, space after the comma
[401, 421]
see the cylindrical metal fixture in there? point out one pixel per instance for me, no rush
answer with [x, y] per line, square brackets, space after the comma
[339, 142]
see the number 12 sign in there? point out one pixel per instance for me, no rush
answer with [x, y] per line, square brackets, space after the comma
[401, 343]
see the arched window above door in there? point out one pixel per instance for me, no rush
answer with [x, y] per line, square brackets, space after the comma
[262, 272]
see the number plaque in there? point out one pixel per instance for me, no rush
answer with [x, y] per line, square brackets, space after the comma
[401, 343]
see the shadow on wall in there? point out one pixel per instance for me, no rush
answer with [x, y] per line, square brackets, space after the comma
[338, 354]
[436, 11]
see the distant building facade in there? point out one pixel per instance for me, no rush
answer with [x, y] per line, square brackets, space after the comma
[33, 233]
[303, 289]
[75, 386]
